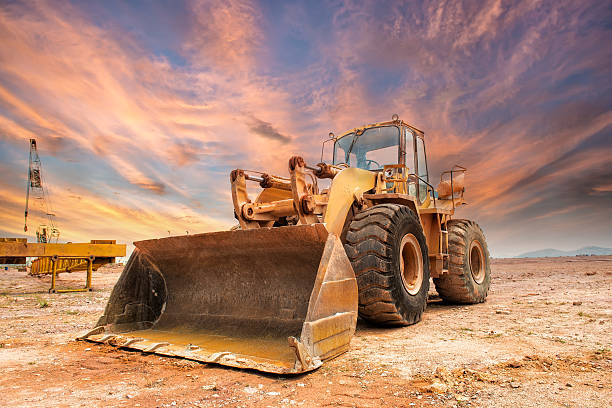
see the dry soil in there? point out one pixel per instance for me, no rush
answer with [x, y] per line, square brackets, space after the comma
[542, 339]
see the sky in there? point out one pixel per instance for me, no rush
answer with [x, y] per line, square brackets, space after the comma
[142, 108]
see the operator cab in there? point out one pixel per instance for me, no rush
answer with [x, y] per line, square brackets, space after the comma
[387, 143]
[368, 149]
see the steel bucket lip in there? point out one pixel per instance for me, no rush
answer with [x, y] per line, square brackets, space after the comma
[319, 228]
[312, 242]
[222, 358]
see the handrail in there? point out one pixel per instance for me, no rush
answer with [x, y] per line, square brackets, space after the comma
[451, 171]
[426, 182]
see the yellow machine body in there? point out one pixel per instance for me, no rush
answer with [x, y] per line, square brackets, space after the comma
[277, 294]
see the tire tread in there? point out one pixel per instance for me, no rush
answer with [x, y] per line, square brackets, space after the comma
[368, 246]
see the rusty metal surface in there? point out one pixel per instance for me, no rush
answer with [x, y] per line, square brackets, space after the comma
[270, 181]
[445, 190]
[279, 300]
[324, 170]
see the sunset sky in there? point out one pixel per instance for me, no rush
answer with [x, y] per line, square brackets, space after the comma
[141, 108]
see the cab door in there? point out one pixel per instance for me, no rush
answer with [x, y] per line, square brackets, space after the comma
[408, 158]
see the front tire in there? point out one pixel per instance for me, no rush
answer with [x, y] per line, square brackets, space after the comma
[388, 251]
[469, 267]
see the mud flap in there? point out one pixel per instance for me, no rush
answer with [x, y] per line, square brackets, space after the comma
[279, 300]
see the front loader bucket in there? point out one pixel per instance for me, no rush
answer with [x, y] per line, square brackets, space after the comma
[279, 300]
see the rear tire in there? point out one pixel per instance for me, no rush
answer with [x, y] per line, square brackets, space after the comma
[388, 251]
[469, 267]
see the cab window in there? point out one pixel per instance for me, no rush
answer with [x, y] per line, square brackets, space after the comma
[370, 150]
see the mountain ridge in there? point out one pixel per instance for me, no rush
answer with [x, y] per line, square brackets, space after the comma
[551, 252]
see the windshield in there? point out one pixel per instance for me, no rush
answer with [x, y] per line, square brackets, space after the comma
[371, 150]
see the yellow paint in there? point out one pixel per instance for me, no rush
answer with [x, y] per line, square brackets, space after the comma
[76, 250]
[348, 184]
[272, 350]
[273, 194]
[379, 124]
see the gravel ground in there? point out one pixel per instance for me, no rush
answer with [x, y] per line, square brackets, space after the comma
[542, 339]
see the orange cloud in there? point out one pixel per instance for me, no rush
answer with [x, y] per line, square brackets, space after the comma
[82, 216]
[486, 82]
[225, 34]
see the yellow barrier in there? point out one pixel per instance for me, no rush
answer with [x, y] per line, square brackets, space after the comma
[55, 258]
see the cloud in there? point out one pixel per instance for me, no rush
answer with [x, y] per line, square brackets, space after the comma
[266, 130]
[74, 217]
[160, 119]
[185, 152]
[224, 34]
[102, 92]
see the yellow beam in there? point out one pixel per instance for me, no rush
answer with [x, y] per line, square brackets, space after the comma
[80, 249]
[345, 188]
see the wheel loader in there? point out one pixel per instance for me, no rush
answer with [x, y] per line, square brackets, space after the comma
[281, 293]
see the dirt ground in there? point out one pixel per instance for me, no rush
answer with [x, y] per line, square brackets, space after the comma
[542, 339]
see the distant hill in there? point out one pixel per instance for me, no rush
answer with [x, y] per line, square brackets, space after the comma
[549, 252]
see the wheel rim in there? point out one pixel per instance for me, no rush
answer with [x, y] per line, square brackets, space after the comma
[477, 262]
[411, 264]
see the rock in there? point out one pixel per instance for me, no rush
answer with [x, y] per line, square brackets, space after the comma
[210, 387]
[129, 396]
[273, 393]
[577, 303]
[501, 311]
[514, 384]
[443, 373]
[301, 384]
[590, 273]
[250, 390]
[569, 385]
[437, 387]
